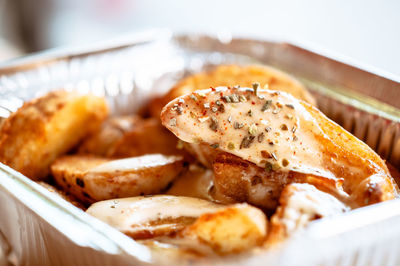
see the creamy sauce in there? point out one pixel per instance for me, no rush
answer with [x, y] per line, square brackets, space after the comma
[135, 163]
[126, 213]
[197, 182]
[307, 202]
[279, 131]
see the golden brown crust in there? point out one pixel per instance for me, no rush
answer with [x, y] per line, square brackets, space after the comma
[231, 75]
[77, 175]
[46, 127]
[236, 228]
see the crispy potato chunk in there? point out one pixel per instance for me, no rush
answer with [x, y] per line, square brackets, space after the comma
[147, 137]
[148, 217]
[231, 75]
[92, 179]
[61, 193]
[101, 142]
[299, 205]
[234, 229]
[47, 127]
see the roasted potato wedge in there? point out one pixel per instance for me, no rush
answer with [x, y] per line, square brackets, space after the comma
[299, 205]
[285, 138]
[93, 179]
[47, 127]
[233, 229]
[232, 75]
[148, 217]
[147, 137]
[112, 130]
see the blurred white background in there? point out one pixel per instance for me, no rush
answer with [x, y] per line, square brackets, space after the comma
[365, 30]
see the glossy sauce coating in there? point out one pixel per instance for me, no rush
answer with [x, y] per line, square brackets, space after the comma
[278, 132]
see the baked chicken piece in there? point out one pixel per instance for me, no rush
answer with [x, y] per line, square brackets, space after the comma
[232, 75]
[47, 127]
[263, 140]
[91, 178]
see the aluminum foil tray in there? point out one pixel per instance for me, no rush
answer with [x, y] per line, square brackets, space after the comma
[38, 228]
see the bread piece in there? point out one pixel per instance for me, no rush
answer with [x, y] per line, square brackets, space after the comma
[284, 137]
[232, 75]
[299, 205]
[148, 217]
[112, 130]
[233, 229]
[92, 178]
[47, 127]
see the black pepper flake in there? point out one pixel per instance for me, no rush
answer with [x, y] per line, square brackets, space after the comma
[268, 129]
[274, 156]
[294, 128]
[270, 143]
[215, 145]
[80, 182]
[260, 137]
[295, 138]
[214, 124]
[227, 99]
[250, 113]
[238, 125]
[246, 142]
[234, 98]
[242, 99]
[284, 127]
[266, 105]
[179, 110]
[289, 106]
[222, 108]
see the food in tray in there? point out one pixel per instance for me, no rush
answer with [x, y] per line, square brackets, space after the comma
[112, 130]
[230, 75]
[227, 169]
[273, 139]
[91, 178]
[47, 127]
[148, 217]
[300, 204]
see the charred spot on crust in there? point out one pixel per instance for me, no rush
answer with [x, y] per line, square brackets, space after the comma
[80, 182]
